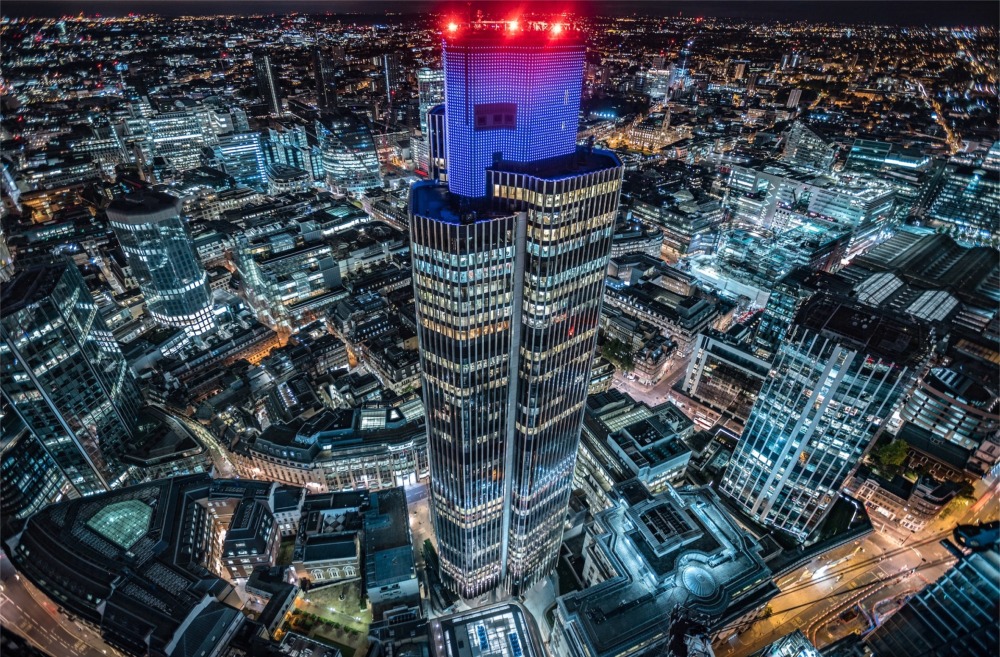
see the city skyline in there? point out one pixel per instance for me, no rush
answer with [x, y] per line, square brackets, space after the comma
[489, 329]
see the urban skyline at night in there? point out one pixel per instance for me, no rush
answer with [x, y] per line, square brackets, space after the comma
[490, 329]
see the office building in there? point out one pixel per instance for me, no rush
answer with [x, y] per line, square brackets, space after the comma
[390, 572]
[508, 267]
[29, 478]
[393, 75]
[657, 568]
[430, 93]
[242, 157]
[966, 200]
[350, 160]
[956, 616]
[804, 149]
[135, 565]
[837, 377]
[326, 63]
[437, 145]
[502, 630]
[794, 97]
[64, 375]
[157, 244]
[267, 84]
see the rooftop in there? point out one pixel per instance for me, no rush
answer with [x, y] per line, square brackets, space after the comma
[679, 549]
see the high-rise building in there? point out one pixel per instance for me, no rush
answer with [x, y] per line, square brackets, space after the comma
[158, 247]
[953, 617]
[967, 200]
[64, 375]
[393, 75]
[804, 149]
[437, 145]
[794, 96]
[509, 265]
[517, 94]
[430, 92]
[29, 478]
[326, 62]
[350, 158]
[838, 375]
[267, 84]
[242, 157]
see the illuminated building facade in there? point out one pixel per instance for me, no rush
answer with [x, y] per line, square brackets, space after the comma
[350, 159]
[64, 375]
[508, 279]
[267, 86]
[242, 155]
[509, 91]
[158, 246]
[837, 376]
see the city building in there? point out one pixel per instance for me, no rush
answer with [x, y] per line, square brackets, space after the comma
[157, 244]
[29, 478]
[350, 160]
[952, 617]
[504, 630]
[804, 149]
[242, 157]
[430, 93]
[365, 448]
[390, 571]
[506, 365]
[131, 565]
[252, 539]
[658, 568]
[63, 374]
[966, 200]
[327, 61]
[838, 376]
[267, 83]
[724, 375]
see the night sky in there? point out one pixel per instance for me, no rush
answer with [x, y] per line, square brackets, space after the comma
[939, 12]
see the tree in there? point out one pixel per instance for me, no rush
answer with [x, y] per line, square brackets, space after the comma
[619, 353]
[893, 455]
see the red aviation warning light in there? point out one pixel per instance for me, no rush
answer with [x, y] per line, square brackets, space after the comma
[452, 27]
[557, 28]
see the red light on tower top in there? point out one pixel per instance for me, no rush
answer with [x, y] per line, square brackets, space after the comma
[557, 28]
[513, 25]
[452, 27]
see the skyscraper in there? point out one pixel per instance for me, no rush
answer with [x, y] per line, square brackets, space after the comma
[325, 65]
[156, 242]
[952, 617]
[267, 85]
[392, 75]
[509, 264]
[837, 376]
[430, 92]
[64, 375]
[242, 156]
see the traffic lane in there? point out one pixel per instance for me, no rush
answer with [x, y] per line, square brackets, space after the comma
[21, 614]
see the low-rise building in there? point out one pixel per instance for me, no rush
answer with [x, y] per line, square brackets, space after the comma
[657, 568]
[252, 539]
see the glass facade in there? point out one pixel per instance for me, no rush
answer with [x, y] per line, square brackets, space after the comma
[243, 158]
[968, 200]
[838, 375]
[267, 86]
[508, 289]
[64, 374]
[350, 159]
[29, 478]
[156, 242]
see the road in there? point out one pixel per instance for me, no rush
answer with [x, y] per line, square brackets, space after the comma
[223, 466]
[43, 626]
[814, 596]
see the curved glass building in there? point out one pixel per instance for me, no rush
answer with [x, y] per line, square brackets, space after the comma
[349, 156]
[508, 269]
[158, 247]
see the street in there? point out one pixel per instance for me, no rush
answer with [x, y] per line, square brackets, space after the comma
[813, 597]
[43, 627]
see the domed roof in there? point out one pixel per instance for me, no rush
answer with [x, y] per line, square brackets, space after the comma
[698, 581]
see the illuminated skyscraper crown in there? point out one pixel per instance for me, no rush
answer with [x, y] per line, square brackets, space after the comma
[512, 93]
